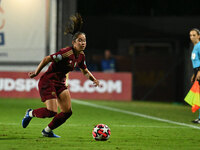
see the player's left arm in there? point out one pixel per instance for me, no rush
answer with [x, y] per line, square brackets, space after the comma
[89, 75]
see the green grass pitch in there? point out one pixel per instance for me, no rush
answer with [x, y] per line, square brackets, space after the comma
[128, 131]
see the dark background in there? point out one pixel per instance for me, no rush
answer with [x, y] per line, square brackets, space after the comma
[148, 38]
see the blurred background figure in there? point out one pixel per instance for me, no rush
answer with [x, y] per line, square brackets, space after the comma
[92, 64]
[108, 64]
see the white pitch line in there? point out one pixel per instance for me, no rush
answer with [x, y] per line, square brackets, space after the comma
[133, 113]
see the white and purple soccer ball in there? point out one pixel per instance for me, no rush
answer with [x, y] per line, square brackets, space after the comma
[101, 132]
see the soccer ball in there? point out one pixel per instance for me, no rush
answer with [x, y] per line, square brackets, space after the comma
[101, 132]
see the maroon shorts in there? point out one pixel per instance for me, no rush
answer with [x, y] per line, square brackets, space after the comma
[50, 89]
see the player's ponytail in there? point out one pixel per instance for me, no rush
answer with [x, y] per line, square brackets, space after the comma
[74, 26]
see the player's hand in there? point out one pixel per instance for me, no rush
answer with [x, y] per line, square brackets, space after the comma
[32, 74]
[96, 83]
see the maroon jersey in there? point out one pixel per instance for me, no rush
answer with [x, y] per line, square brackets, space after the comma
[52, 82]
[65, 61]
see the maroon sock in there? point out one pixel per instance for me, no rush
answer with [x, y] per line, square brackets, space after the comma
[43, 113]
[59, 119]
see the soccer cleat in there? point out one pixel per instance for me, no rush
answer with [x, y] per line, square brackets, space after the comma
[49, 134]
[26, 119]
[196, 121]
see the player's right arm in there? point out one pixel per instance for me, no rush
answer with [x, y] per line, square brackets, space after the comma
[42, 64]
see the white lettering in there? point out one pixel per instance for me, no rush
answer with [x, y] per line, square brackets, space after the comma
[88, 86]
[114, 86]
[103, 86]
[109, 86]
[30, 84]
[1, 84]
[9, 84]
[74, 85]
[37, 84]
[20, 85]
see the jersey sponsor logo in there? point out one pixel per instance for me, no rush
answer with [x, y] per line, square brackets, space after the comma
[108, 86]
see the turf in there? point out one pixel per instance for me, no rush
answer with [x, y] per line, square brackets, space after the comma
[127, 131]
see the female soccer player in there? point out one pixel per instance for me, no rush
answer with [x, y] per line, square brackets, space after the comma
[52, 87]
[195, 57]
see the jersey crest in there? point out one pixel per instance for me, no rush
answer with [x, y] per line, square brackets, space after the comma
[193, 55]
